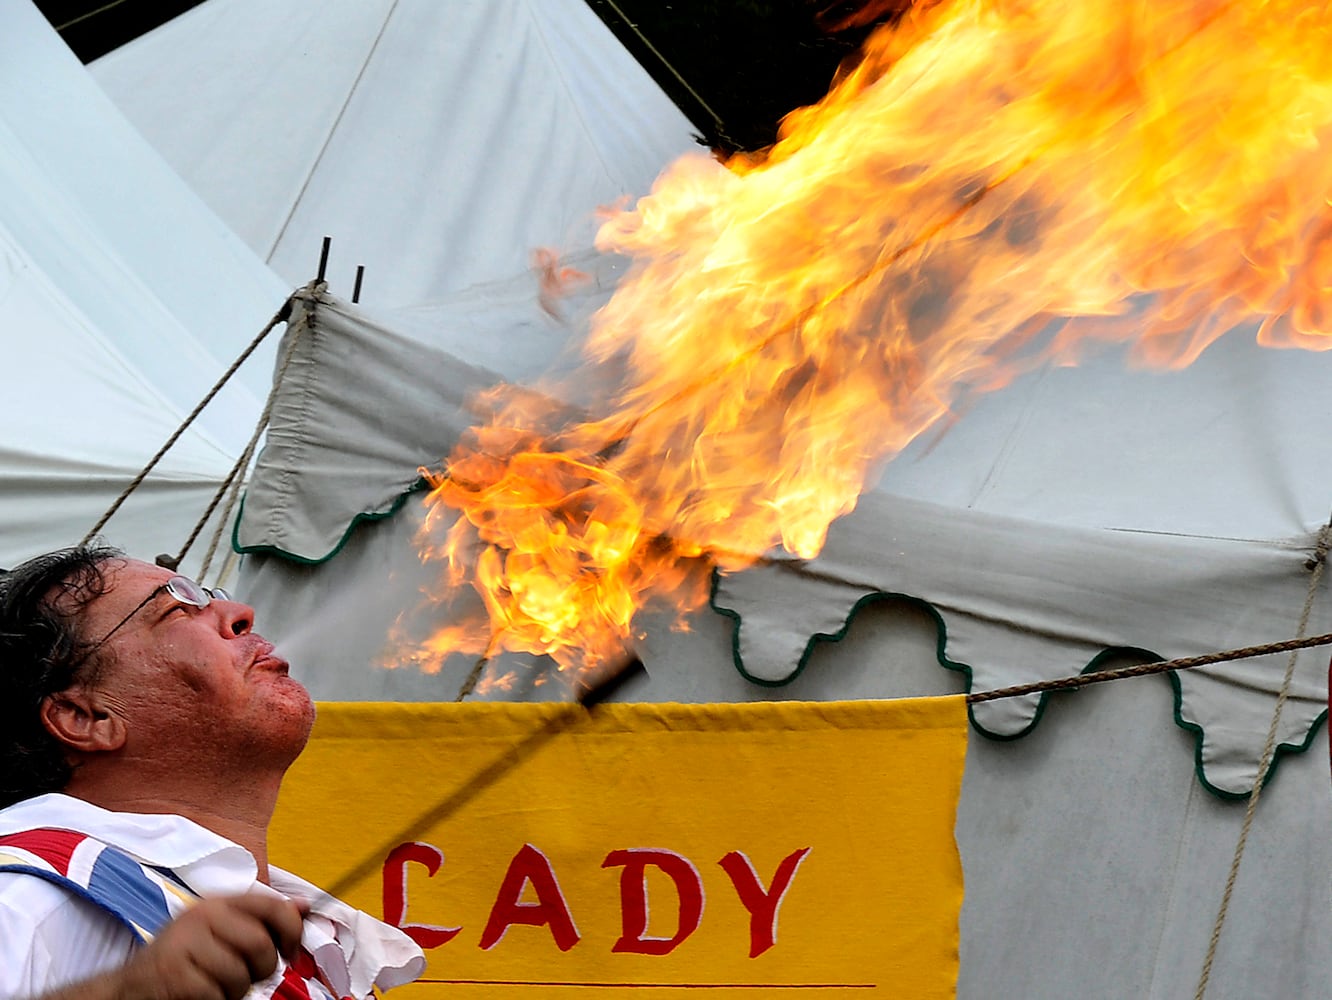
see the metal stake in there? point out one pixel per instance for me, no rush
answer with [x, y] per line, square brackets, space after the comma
[323, 258]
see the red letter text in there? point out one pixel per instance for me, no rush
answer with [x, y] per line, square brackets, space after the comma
[550, 909]
[395, 892]
[762, 906]
[634, 901]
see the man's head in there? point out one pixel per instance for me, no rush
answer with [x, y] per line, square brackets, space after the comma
[39, 653]
[107, 677]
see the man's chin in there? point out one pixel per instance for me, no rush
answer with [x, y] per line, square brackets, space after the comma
[303, 701]
[290, 716]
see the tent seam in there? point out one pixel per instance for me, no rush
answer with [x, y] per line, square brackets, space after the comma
[1172, 891]
[332, 130]
[601, 159]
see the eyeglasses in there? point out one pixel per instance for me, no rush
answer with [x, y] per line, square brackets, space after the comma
[181, 589]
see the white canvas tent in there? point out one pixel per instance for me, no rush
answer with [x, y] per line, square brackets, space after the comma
[439, 144]
[122, 299]
[1078, 513]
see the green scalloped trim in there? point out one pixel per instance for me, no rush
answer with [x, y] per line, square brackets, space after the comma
[364, 516]
[1281, 750]
[941, 631]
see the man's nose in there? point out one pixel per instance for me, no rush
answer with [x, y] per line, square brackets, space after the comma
[236, 617]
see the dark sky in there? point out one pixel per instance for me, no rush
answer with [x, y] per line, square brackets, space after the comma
[94, 27]
[751, 61]
[747, 62]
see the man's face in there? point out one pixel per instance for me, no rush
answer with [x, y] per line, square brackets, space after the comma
[195, 686]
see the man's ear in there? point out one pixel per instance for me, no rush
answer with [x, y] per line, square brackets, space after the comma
[83, 721]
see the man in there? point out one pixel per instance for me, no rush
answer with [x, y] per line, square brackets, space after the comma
[145, 729]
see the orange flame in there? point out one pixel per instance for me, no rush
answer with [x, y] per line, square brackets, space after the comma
[993, 186]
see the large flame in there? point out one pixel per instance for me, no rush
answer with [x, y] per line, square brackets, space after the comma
[992, 185]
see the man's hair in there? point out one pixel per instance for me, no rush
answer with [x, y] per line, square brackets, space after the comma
[42, 651]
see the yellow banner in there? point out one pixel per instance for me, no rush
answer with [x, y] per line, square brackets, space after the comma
[772, 849]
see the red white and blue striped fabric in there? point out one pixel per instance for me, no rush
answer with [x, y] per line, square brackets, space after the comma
[144, 899]
[141, 897]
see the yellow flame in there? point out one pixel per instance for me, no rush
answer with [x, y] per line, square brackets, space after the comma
[994, 185]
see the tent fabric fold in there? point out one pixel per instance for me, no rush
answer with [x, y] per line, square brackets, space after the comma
[391, 386]
[385, 406]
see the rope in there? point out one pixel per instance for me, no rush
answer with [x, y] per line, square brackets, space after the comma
[92, 13]
[469, 685]
[172, 562]
[228, 569]
[236, 478]
[235, 484]
[1264, 765]
[279, 317]
[716, 118]
[1159, 667]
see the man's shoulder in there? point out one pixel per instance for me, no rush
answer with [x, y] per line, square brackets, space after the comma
[140, 896]
[38, 871]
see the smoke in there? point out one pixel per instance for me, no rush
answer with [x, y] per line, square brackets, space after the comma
[342, 617]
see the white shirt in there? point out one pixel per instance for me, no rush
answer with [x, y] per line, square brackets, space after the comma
[51, 938]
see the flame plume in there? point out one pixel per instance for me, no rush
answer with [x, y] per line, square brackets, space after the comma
[993, 186]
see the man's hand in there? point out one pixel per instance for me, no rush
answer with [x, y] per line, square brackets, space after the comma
[213, 951]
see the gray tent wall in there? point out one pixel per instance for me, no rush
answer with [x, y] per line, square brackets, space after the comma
[1096, 846]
